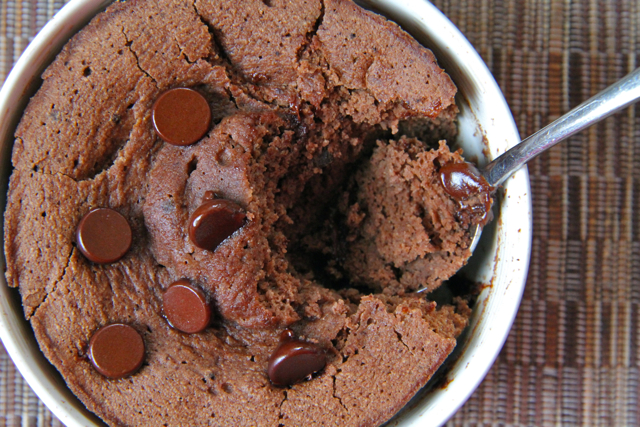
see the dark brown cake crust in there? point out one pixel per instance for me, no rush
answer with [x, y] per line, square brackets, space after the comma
[300, 91]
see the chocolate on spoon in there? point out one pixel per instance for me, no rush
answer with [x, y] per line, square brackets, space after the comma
[462, 180]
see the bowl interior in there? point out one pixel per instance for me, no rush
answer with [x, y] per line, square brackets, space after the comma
[486, 130]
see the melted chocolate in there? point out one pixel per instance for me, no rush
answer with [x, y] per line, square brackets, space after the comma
[465, 184]
[294, 360]
[214, 221]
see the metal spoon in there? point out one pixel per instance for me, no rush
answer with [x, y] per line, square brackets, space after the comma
[617, 96]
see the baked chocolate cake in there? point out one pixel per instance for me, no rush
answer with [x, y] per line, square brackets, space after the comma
[220, 212]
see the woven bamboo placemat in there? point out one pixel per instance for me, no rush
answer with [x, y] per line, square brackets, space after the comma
[573, 356]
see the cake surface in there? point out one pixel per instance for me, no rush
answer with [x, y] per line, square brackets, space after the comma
[345, 216]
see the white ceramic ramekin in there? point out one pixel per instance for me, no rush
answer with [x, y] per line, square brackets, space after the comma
[486, 126]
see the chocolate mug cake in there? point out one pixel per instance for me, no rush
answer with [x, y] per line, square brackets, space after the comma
[220, 212]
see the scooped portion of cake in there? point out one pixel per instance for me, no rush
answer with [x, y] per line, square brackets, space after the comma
[274, 168]
[393, 229]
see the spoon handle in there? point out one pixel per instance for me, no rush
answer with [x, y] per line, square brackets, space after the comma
[617, 96]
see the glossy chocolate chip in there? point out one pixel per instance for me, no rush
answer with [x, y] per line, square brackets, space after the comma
[294, 360]
[103, 235]
[181, 116]
[116, 350]
[463, 180]
[186, 308]
[213, 222]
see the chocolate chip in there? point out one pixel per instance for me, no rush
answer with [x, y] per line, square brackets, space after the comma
[463, 180]
[181, 116]
[116, 350]
[294, 360]
[186, 307]
[213, 222]
[103, 235]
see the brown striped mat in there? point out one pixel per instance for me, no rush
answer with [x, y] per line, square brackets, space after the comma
[573, 355]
